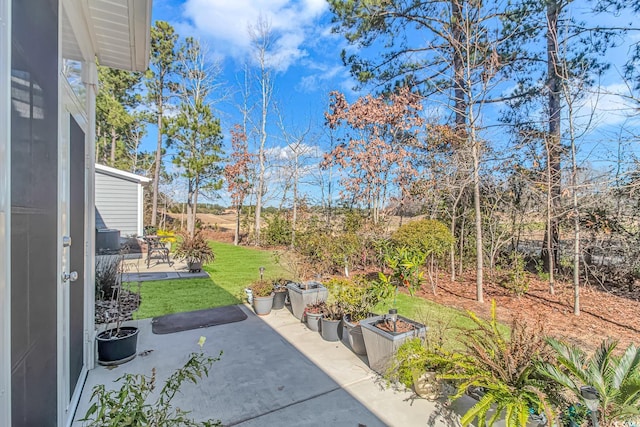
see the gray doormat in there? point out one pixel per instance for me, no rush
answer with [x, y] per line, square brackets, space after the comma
[196, 319]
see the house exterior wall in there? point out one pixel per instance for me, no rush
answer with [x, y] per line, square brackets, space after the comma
[34, 212]
[117, 204]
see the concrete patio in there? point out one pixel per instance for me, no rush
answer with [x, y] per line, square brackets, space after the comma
[274, 372]
[136, 269]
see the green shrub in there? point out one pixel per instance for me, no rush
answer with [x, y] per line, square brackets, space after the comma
[426, 236]
[406, 271]
[278, 231]
[352, 221]
[356, 297]
[409, 362]
[518, 282]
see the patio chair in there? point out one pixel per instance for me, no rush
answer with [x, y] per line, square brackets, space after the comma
[155, 246]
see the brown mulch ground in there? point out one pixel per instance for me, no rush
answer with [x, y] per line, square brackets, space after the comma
[604, 314]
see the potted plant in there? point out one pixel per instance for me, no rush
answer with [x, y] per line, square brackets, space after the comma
[117, 344]
[313, 313]
[330, 324]
[606, 382]
[302, 294]
[357, 299]
[384, 334]
[195, 251]
[502, 370]
[280, 289]
[262, 292]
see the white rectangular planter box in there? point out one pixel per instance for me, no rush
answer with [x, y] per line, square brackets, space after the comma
[382, 345]
[301, 294]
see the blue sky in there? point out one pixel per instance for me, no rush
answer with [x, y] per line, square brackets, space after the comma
[307, 62]
[308, 66]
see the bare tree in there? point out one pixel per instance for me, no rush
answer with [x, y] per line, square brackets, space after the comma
[298, 145]
[261, 42]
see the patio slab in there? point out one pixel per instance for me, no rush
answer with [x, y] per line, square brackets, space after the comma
[274, 372]
[137, 271]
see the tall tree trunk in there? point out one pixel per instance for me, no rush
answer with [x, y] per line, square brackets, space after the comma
[550, 250]
[576, 233]
[190, 207]
[475, 153]
[459, 99]
[259, 193]
[461, 247]
[547, 245]
[261, 156]
[196, 192]
[452, 251]
[236, 236]
[158, 163]
[114, 138]
[294, 217]
[98, 143]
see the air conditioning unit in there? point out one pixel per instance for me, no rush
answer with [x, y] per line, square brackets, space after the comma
[107, 241]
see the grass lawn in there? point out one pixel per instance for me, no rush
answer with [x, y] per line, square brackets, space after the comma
[234, 268]
[442, 321]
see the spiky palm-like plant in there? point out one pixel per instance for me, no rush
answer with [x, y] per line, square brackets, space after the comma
[616, 378]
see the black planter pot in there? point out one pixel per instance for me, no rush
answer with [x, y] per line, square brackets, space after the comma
[194, 266]
[117, 349]
[278, 300]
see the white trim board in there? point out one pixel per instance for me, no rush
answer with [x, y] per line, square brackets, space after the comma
[5, 212]
[107, 170]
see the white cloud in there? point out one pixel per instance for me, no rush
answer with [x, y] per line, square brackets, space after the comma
[226, 24]
[609, 105]
[324, 77]
[286, 152]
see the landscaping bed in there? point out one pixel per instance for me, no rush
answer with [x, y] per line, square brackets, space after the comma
[603, 314]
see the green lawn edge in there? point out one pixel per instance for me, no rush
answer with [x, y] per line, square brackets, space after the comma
[233, 269]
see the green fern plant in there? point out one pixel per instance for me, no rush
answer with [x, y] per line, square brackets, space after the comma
[616, 378]
[504, 368]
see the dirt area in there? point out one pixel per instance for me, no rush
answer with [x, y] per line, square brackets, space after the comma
[603, 314]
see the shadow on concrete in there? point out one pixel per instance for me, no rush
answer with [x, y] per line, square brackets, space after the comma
[261, 379]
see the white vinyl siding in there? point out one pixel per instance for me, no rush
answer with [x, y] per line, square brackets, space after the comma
[117, 204]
